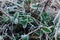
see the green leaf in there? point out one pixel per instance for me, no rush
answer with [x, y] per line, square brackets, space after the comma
[45, 17]
[46, 30]
[11, 19]
[34, 6]
[39, 32]
[58, 38]
[16, 21]
[27, 1]
[23, 21]
[25, 37]
[16, 15]
[30, 19]
[5, 18]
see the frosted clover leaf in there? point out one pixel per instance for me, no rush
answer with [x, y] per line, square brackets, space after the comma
[16, 15]
[34, 6]
[46, 30]
[25, 20]
[16, 21]
[25, 37]
[5, 18]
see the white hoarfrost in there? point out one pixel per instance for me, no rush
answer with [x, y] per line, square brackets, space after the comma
[1, 38]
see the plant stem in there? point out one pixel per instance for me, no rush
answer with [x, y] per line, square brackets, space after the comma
[35, 30]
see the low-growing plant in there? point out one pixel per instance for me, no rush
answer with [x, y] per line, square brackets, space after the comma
[28, 20]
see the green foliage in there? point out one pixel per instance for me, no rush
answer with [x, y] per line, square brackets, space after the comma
[25, 37]
[45, 17]
[43, 30]
[25, 1]
[16, 21]
[16, 15]
[25, 20]
[22, 22]
[46, 30]
[5, 18]
[39, 32]
[34, 6]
